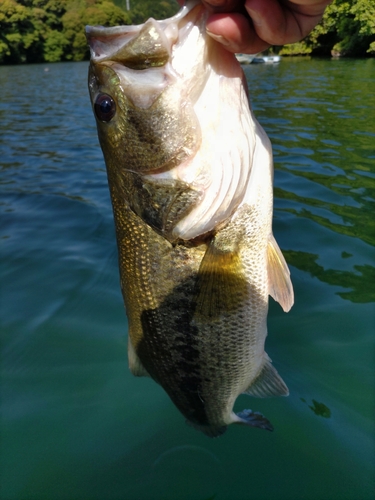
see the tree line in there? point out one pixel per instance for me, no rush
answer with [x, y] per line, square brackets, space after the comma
[53, 30]
[33, 31]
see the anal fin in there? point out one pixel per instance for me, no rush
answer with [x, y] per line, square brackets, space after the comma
[135, 364]
[279, 284]
[268, 383]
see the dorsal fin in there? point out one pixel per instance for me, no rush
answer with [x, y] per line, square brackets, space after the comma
[268, 383]
[279, 284]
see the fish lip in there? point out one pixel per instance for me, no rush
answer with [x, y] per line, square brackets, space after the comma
[120, 30]
[95, 34]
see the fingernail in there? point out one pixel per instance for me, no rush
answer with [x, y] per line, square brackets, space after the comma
[218, 38]
[256, 18]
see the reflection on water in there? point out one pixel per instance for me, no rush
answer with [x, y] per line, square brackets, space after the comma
[75, 423]
[361, 280]
[319, 409]
[354, 219]
[329, 178]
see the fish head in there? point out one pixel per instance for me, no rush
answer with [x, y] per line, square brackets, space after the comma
[142, 83]
[173, 121]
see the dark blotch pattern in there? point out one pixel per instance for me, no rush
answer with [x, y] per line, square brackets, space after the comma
[172, 355]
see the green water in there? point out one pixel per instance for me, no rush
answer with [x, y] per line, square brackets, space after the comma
[75, 424]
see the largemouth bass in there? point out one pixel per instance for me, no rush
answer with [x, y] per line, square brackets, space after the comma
[190, 174]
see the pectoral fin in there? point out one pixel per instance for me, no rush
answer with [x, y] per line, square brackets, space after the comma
[221, 285]
[268, 383]
[135, 364]
[280, 285]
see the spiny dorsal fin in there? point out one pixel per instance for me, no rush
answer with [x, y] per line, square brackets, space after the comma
[268, 383]
[280, 286]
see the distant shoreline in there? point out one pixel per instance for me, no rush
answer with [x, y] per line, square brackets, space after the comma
[38, 31]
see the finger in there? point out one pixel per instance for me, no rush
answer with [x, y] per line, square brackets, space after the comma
[220, 5]
[280, 23]
[235, 32]
[223, 5]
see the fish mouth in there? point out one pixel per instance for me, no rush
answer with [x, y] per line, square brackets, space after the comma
[109, 43]
[149, 57]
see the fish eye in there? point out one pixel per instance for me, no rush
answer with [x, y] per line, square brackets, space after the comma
[105, 107]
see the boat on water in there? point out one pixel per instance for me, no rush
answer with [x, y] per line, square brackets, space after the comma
[266, 59]
[245, 58]
[257, 59]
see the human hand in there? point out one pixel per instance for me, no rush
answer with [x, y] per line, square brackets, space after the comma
[250, 26]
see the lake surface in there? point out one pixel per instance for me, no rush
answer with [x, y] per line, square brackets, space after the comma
[75, 423]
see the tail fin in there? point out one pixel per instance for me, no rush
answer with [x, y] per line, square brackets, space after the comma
[253, 419]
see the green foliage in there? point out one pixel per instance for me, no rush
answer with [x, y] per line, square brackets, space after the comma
[55, 44]
[141, 10]
[16, 26]
[53, 30]
[93, 12]
[347, 29]
[299, 48]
